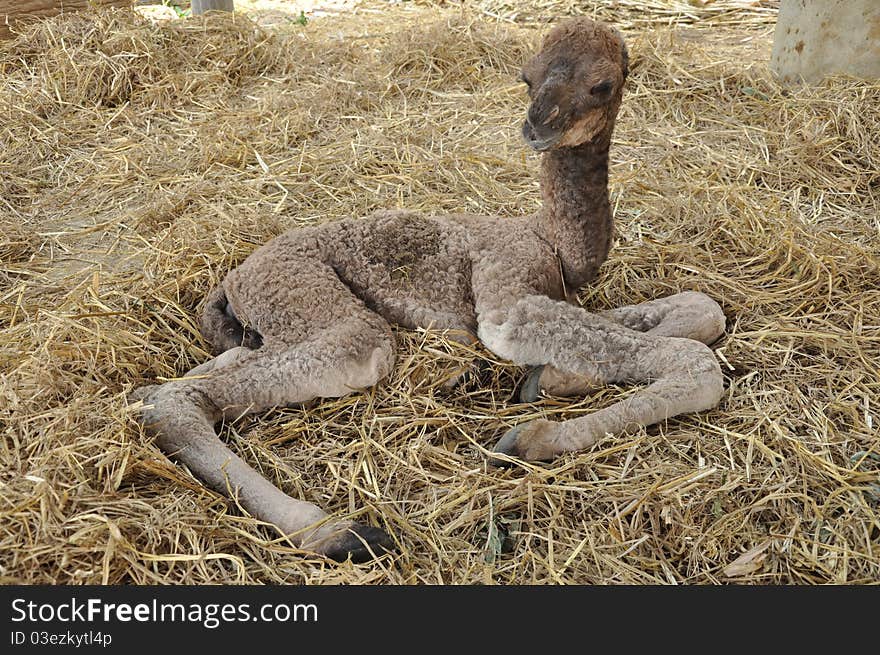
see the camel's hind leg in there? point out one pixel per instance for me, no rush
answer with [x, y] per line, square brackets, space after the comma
[350, 352]
[689, 315]
[683, 374]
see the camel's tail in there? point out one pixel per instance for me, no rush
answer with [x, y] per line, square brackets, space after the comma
[221, 327]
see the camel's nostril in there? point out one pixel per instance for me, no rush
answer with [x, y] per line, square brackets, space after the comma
[553, 114]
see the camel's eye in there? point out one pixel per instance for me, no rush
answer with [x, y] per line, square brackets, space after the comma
[601, 89]
[525, 79]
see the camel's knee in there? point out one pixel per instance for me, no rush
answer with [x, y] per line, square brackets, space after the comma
[162, 402]
[373, 365]
[361, 366]
[503, 340]
[525, 331]
[206, 392]
[154, 406]
[173, 411]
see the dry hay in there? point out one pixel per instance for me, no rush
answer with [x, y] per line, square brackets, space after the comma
[139, 162]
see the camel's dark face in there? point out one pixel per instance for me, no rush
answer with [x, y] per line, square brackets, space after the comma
[575, 84]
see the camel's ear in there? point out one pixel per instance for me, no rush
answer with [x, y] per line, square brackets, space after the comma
[602, 89]
[625, 60]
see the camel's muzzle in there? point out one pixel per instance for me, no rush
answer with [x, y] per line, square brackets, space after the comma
[536, 141]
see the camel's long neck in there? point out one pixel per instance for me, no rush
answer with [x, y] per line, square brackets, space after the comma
[576, 215]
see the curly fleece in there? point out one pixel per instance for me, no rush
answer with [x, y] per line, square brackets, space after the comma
[309, 314]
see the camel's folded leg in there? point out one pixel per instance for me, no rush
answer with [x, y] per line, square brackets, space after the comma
[182, 413]
[690, 315]
[683, 374]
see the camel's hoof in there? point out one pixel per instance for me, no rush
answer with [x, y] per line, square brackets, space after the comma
[530, 391]
[507, 446]
[532, 441]
[361, 543]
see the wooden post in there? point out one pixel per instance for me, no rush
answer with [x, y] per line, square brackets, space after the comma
[201, 6]
[14, 11]
[816, 38]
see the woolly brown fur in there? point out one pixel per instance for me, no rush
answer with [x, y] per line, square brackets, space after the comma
[310, 314]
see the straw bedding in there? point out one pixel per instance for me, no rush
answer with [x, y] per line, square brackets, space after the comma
[140, 161]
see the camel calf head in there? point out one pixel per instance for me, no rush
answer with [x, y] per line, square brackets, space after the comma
[575, 84]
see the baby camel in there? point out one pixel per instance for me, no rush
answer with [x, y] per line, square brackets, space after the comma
[308, 315]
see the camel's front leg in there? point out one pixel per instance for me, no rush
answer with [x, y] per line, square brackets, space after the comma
[690, 315]
[683, 374]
